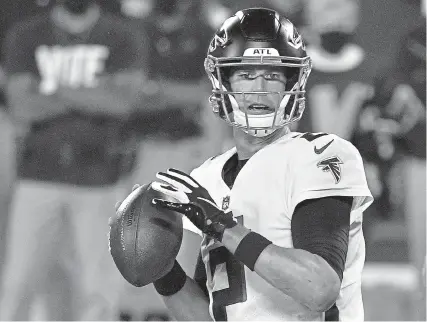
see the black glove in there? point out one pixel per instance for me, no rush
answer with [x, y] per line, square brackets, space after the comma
[195, 203]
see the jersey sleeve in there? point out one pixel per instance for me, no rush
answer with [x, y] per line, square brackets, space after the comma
[328, 166]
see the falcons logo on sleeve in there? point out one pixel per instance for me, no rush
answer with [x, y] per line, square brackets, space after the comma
[331, 165]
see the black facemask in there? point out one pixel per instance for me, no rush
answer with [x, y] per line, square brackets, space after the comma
[334, 41]
[77, 6]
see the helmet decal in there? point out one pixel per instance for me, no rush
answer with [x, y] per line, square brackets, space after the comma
[222, 38]
[296, 40]
[261, 52]
[218, 41]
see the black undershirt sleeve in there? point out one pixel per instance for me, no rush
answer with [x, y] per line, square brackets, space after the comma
[321, 226]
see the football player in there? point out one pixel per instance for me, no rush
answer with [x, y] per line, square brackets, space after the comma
[280, 213]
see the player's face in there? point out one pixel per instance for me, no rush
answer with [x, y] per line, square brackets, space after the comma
[254, 79]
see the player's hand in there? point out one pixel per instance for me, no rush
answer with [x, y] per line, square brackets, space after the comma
[195, 203]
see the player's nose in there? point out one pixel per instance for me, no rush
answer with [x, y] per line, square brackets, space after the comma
[259, 84]
[257, 98]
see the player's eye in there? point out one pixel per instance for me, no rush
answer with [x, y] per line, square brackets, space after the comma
[245, 75]
[274, 76]
[251, 75]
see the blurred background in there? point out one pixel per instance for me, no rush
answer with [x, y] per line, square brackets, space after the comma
[368, 85]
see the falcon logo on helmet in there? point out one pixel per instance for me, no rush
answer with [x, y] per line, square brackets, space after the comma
[260, 38]
[218, 42]
[296, 40]
[221, 37]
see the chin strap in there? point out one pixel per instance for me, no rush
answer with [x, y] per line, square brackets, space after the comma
[259, 133]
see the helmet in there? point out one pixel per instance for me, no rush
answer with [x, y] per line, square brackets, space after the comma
[258, 37]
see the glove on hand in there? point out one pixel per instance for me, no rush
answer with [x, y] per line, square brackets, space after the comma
[195, 203]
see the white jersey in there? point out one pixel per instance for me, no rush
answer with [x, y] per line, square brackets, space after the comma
[265, 193]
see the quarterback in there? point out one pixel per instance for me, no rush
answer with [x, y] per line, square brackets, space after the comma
[280, 213]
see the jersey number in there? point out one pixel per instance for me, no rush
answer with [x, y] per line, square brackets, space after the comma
[236, 291]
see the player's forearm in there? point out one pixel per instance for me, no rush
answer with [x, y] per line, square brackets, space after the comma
[98, 101]
[305, 277]
[189, 304]
[37, 107]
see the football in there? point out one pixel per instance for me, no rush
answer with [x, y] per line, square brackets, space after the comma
[144, 241]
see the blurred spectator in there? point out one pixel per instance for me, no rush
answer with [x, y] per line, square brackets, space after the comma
[342, 70]
[73, 80]
[178, 131]
[12, 11]
[396, 118]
